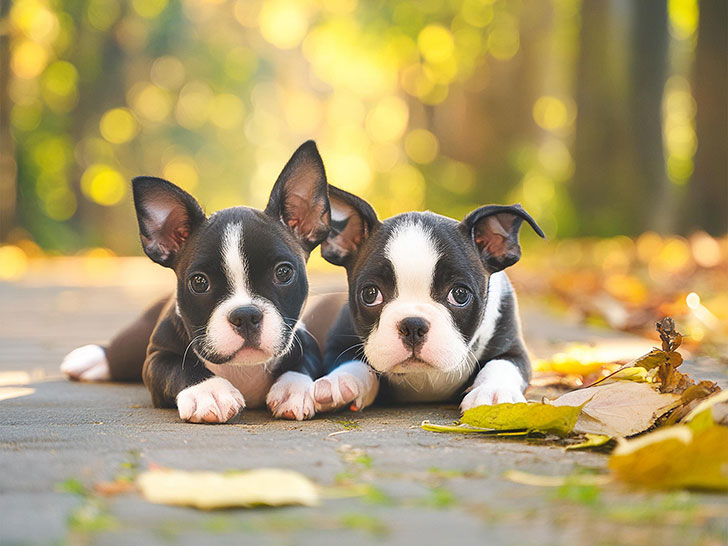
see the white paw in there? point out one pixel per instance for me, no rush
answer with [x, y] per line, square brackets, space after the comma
[489, 394]
[291, 397]
[352, 384]
[215, 400]
[87, 363]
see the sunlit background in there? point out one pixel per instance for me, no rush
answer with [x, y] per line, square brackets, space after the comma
[604, 119]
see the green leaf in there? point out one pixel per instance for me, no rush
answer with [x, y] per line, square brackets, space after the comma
[530, 416]
[675, 458]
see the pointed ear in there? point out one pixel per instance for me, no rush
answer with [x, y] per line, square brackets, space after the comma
[299, 197]
[493, 229]
[167, 216]
[352, 222]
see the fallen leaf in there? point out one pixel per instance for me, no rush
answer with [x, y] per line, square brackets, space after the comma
[592, 440]
[211, 490]
[704, 415]
[426, 425]
[526, 478]
[530, 416]
[690, 399]
[675, 457]
[622, 408]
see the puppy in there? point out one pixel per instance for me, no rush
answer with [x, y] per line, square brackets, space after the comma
[431, 315]
[229, 338]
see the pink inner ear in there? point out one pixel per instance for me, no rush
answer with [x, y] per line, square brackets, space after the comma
[491, 235]
[174, 231]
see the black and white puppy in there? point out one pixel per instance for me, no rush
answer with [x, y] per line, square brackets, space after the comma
[431, 315]
[229, 338]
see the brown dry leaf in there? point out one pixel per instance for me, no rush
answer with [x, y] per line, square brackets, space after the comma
[622, 408]
[211, 490]
[691, 399]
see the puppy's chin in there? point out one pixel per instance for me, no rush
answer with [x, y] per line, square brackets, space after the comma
[250, 356]
[410, 365]
[245, 356]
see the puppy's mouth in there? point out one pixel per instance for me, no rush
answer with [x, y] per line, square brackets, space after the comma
[410, 365]
[246, 355]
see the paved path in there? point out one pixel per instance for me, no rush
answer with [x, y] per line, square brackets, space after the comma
[423, 488]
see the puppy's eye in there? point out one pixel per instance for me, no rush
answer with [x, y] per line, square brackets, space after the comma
[459, 296]
[283, 273]
[199, 283]
[371, 296]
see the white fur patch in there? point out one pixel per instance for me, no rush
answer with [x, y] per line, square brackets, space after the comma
[414, 256]
[221, 337]
[253, 382]
[498, 382]
[215, 400]
[498, 287]
[87, 363]
[291, 397]
[429, 385]
[351, 384]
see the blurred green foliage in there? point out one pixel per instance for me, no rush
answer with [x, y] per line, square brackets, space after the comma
[440, 104]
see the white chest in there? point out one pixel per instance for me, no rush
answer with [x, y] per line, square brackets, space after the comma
[253, 382]
[427, 386]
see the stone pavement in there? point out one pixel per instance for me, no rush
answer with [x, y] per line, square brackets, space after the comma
[421, 488]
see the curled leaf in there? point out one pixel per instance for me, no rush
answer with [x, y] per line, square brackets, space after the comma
[529, 416]
[592, 440]
[212, 490]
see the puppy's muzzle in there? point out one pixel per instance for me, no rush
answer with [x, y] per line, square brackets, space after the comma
[413, 331]
[246, 320]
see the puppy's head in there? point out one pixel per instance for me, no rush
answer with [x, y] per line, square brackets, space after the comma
[241, 278]
[418, 282]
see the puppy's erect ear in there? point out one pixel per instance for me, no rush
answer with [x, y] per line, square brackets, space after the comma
[167, 216]
[299, 197]
[352, 221]
[493, 229]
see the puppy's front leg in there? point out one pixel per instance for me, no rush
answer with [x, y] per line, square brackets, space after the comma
[352, 384]
[291, 396]
[199, 395]
[498, 382]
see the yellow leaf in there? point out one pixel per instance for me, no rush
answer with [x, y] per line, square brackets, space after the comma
[592, 440]
[426, 425]
[524, 415]
[526, 478]
[211, 490]
[675, 457]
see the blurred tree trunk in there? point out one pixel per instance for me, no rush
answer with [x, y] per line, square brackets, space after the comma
[653, 191]
[8, 166]
[599, 181]
[707, 198]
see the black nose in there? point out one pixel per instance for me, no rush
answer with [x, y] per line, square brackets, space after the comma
[246, 319]
[412, 330]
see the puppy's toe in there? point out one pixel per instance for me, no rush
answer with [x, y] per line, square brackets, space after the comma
[487, 395]
[350, 385]
[291, 397]
[87, 363]
[214, 400]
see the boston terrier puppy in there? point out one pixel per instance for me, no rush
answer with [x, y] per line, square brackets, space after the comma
[431, 316]
[230, 337]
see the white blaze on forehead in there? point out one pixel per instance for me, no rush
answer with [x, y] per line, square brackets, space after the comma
[412, 251]
[234, 263]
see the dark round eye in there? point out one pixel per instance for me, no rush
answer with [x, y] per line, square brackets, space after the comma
[371, 295]
[284, 273]
[459, 296]
[199, 283]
